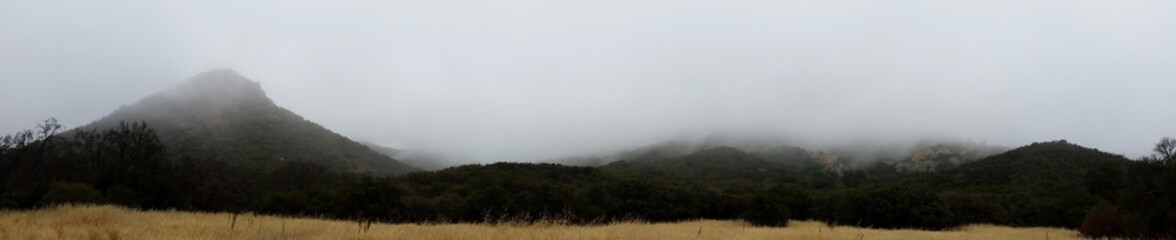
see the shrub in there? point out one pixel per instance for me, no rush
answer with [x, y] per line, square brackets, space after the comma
[1103, 220]
[71, 192]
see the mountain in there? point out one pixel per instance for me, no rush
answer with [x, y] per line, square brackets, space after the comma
[222, 115]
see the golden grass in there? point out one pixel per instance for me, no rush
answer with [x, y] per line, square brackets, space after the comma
[109, 222]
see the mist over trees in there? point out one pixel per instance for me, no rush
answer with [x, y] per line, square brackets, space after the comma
[1043, 184]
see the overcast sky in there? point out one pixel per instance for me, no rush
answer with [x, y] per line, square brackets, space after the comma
[526, 80]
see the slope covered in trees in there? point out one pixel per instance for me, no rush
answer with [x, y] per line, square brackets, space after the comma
[1043, 184]
[925, 156]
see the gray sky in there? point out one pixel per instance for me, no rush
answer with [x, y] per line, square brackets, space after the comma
[525, 80]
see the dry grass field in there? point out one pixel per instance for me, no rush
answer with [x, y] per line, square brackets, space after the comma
[109, 222]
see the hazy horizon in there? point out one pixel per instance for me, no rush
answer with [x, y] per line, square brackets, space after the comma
[525, 81]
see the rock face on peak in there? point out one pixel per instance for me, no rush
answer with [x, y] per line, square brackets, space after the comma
[221, 115]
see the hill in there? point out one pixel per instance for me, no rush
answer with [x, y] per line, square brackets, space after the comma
[713, 161]
[221, 115]
[1046, 165]
[1042, 184]
[712, 165]
[927, 156]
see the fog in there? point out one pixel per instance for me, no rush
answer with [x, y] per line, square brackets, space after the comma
[530, 80]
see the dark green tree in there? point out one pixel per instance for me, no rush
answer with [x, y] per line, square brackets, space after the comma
[27, 150]
[1105, 180]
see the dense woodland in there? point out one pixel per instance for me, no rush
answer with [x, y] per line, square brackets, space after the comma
[1044, 184]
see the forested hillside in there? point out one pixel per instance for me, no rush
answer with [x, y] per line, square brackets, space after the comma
[1043, 184]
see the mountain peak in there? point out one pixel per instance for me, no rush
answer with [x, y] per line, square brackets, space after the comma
[219, 114]
[219, 86]
[219, 75]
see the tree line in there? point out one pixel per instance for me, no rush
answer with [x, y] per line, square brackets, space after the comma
[1044, 184]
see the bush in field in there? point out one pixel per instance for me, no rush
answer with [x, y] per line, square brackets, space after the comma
[774, 206]
[1103, 221]
[767, 209]
[892, 207]
[71, 192]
